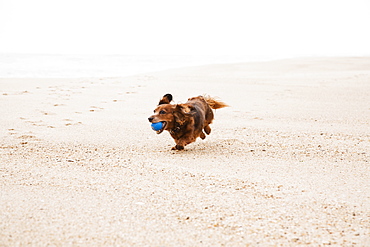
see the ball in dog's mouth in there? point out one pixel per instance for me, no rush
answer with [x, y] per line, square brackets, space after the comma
[159, 126]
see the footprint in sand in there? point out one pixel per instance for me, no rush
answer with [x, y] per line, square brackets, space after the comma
[34, 123]
[95, 108]
[24, 92]
[16, 93]
[47, 113]
[70, 122]
[38, 123]
[12, 131]
[25, 139]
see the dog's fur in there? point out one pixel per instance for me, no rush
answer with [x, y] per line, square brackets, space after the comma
[186, 122]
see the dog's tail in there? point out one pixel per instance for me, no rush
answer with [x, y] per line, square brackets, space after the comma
[214, 103]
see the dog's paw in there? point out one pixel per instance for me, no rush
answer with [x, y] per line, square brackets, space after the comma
[178, 147]
[202, 136]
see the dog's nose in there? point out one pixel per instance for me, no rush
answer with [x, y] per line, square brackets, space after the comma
[150, 119]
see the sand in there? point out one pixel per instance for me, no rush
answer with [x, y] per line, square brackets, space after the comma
[286, 165]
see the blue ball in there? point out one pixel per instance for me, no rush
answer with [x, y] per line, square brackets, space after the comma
[157, 126]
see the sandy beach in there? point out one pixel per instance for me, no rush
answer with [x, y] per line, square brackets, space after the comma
[287, 164]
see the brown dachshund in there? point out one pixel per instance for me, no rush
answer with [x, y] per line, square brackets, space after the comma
[186, 122]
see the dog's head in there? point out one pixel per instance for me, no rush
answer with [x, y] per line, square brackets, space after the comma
[172, 116]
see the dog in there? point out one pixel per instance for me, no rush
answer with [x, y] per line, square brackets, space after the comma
[186, 122]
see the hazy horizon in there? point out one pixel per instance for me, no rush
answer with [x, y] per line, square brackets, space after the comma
[251, 28]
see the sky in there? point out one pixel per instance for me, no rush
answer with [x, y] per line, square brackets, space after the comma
[191, 27]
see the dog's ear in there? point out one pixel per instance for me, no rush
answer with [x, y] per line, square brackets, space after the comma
[179, 115]
[182, 113]
[166, 99]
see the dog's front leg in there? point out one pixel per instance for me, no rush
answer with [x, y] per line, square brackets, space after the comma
[180, 144]
[183, 141]
[178, 147]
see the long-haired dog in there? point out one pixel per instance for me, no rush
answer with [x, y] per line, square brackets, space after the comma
[186, 122]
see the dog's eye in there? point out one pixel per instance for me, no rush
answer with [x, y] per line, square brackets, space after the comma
[162, 112]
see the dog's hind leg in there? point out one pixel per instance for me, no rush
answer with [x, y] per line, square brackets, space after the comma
[207, 129]
[202, 135]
